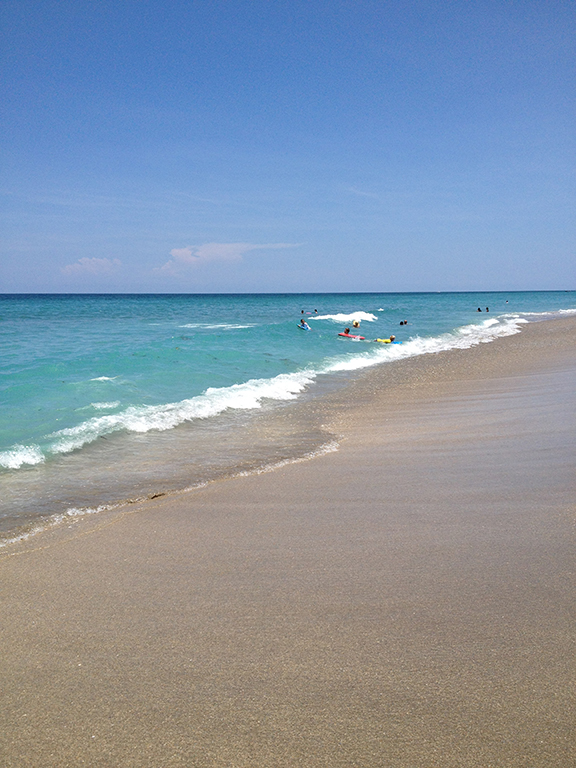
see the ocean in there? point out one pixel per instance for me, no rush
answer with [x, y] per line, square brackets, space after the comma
[112, 398]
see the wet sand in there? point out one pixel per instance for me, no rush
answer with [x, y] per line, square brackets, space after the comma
[407, 601]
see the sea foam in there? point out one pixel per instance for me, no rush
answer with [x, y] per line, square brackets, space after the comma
[19, 455]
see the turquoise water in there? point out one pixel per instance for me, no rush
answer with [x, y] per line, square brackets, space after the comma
[77, 369]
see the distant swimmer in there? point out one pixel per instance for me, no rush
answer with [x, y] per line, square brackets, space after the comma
[304, 324]
[487, 310]
[356, 324]
[479, 310]
[391, 340]
[403, 322]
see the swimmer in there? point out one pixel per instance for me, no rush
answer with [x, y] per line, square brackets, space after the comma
[304, 324]
[356, 324]
[346, 330]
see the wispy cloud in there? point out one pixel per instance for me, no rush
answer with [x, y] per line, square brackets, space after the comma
[362, 193]
[86, 266]
[194, 255]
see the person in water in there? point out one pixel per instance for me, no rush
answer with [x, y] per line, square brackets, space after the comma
[356, 324]
[346, 330]
[304, 324]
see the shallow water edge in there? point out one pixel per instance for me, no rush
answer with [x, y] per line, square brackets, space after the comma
[125, 468]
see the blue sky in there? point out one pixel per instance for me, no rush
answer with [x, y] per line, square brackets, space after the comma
[287, 146]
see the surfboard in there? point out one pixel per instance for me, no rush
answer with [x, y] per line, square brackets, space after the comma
[351, 336]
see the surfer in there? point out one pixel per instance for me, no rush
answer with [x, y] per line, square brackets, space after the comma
[304, 324]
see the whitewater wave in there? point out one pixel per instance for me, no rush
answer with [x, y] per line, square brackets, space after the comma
[169, 415]
[341, 317]
[19, 455]
[463, 338]
[530, 317]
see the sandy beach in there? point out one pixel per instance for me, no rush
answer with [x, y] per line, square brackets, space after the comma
[406, 601]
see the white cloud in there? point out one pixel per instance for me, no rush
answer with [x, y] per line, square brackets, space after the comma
[86, 266]
[203, 254]
[362, 193]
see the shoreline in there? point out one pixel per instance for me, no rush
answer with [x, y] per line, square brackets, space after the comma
[406, 600]
[82, 483]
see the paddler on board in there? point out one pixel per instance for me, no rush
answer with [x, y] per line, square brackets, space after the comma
[391, 340]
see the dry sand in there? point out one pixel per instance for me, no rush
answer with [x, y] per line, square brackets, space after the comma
[407, 601]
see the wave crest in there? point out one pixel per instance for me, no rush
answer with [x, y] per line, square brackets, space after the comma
[341, 317]
[19, 455]
[146, 418]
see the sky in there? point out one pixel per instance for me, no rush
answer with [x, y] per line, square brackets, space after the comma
[287, 146]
